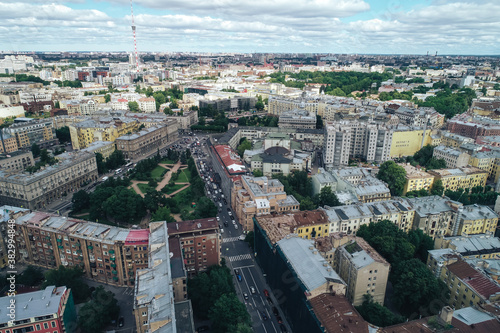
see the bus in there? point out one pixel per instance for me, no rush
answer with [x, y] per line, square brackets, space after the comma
[128, 164]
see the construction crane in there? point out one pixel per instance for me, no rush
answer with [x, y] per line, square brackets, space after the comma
[135, 40]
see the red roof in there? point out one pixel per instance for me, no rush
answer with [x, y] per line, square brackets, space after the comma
[230, 160]
[122, 100]
[139, 236]
[477, 281]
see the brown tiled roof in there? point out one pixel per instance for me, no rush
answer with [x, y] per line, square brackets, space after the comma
[337, 314]
[414, 326]
[489, 326]
[477, 281]
[175, 228]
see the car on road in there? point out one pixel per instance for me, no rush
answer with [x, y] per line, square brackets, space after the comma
[236, 271]
[121, 322]
[238, 277]
[245, 295]
[278, 318]
[264, 315]
[228, 209]
[218, 219]
[236, 226]
[242, 237]
[275, 311]
[252, 290]
[266, 292]
[225, 224]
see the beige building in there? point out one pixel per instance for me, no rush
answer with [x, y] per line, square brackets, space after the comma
[28, 131]
[364, 271]
[256, 196]
[454, 158]
[103, 129]
[36, 190]
[186, 120]
[16, 161]
[147, 141]
[10, 143]
[105, 148]
[416, 179]
[299, 118]
[147, 104]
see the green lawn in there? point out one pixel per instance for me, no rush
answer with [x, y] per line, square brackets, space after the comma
[167, 161]
[157, 172]
[173, 188]
[184, 176]
[144, 188]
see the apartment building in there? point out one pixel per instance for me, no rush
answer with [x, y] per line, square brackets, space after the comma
[186, 119]
[363, 269]
[298, 118]
[199, 243]
[278, 105]
[416, 179]
[481, 246]
[434, 215]
[103, 129]
[323, 179]
[349, 218]
[406, 141]
[28, 131]
[453, 140]
[473, 126]
[147, 141]
[347, 139]
[153, 307]
[237, 103]
[6, 213]
[48, 310]
[362, 186]
[475, 219]
[468, 286]
[487, 161]
[36, 190]
[16, 161]
[454, 158]
[106, 254]
[256, 196]
[147, 104]
[105, 148]
[9, 142]
[465, 177]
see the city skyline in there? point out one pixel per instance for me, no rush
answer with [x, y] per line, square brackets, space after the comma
[328, 26]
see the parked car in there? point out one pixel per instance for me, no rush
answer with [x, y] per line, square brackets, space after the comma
[236, 272]
[266, 292]
[245, 295]
[275, 311]
[239, 277]
[121, 322]
[278, 318]
[252, 290]
[264, 315]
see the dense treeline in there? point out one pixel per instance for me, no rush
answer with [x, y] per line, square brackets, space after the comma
[448, 103]
[334, 83]
[415, 287]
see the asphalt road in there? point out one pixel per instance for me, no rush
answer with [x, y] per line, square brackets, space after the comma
[239, 256]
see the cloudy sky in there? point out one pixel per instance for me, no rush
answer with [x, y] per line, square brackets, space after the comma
[322, 26]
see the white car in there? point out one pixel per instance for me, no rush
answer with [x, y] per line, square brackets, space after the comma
[236, 226]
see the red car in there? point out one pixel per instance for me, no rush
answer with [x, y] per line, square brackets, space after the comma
[266, 292]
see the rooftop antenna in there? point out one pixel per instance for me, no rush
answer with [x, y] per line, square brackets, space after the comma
[135, 40]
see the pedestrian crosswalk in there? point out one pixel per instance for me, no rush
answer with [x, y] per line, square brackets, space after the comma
[240, 257]
[229, 239]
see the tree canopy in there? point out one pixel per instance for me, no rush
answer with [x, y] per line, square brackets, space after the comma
[96, 314]
[69, 277]
[394, 175]
[63, 134]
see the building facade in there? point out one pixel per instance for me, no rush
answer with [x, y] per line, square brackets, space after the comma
[416, 179]
[147, 141]
[28, 131]
[16, 161]
[36, 190]
[255, 196]
[465, 178]
[454, 158]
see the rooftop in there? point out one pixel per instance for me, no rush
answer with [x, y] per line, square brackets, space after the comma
[207, 224]
[34, 304]
[477, 281]
[310, 267]
[474, 243]
[230, 159]
[337, 314]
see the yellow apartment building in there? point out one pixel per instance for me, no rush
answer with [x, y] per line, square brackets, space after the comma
[468, 287]
[407, 143]
[482, 246]
[416, 179]
[466, 177]
[487, 161]
[475, 219]
[86, 132]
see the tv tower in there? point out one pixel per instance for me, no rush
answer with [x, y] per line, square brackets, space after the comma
[135, 40]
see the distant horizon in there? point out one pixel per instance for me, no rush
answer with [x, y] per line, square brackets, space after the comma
[7, 52]
[376, 27]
